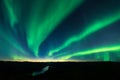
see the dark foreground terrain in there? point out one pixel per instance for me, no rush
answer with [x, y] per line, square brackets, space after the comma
[60, 71]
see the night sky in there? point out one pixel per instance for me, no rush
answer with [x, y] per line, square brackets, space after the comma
[60, 30]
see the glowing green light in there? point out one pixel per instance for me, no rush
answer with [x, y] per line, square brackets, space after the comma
[106, 56]
[93, 51]
[92, 28]
[41, 72]
[11, 13]
[42, 24]
[11, 41]
[26, 24]
[19, 57]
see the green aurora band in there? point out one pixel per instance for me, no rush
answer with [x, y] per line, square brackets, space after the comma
[10, 39]
[11, 12]
[40, 27]
[92, 51]
[92, 28]
[42, 19]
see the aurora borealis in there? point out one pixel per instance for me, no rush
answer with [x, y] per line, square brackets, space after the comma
[60, 30]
